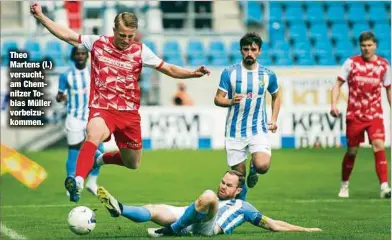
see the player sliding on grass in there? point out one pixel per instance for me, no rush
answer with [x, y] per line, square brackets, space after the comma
[116, 64]
[211, 214]
[366, 75]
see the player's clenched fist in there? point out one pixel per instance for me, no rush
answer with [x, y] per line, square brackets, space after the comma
[35, 10]
[335, 112]
[201, 71]
[272, 126]
[236, 99]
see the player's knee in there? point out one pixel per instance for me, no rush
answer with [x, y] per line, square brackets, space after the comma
[378, 146]
[208, 197]
[263, 167]
[94, 136]
[132, 165]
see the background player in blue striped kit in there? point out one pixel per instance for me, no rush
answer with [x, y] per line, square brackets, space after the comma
[211, 214]
[74, 87]
[242, 89]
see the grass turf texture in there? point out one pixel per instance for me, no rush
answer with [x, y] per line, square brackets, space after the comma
[300, 188]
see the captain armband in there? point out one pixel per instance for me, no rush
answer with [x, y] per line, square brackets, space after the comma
[261, 220]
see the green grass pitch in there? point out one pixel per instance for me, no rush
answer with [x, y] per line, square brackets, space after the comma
[301, 188]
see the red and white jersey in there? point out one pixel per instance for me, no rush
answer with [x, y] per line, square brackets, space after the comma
[115, 73]
[365, 80]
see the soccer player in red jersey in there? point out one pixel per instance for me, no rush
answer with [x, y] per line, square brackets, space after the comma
[116, 63]
[365, 75]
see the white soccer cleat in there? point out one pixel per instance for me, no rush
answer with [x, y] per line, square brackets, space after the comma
[385, 193]
[343, 193]
[152, 233]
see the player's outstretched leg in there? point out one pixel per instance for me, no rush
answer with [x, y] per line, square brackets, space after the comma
[202, 210]
[110, 203]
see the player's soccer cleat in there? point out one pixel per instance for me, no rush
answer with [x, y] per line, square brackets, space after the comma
[73, 189]
[111, 204]
[253, 177]
[343, 193]
[160, 232]
[385, 193]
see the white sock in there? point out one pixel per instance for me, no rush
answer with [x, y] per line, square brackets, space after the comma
[384, 185]
[79, 181]
[99, 160]
[91, 180]
[344, 184]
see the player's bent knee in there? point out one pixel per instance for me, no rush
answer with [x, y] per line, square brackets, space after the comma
[130, 158]
[378, 146]
[94, 136]
[262, 168]
[132, 165]
[208, 197]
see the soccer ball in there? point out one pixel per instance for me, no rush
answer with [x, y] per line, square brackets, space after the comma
[81, 220]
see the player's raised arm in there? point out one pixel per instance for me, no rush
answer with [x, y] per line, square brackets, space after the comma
[175, 71]
[60, 31]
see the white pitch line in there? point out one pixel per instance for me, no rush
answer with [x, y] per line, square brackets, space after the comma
[11, 233]
[332, 200]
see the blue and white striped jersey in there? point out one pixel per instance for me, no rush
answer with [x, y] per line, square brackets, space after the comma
[77, 84]
[249, 117]
[233, 213]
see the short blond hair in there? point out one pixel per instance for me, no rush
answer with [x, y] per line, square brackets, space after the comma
[128, 19]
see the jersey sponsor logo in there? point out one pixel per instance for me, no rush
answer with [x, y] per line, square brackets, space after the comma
[366, 79]
[115, 62]
[134, 144]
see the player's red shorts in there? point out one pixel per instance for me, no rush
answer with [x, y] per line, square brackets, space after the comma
[356, 131]
[125, 126]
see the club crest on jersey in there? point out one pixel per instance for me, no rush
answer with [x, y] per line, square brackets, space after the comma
[107, 49]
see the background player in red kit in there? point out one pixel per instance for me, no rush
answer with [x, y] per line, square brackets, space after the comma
[116, 63]
[365, 76]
